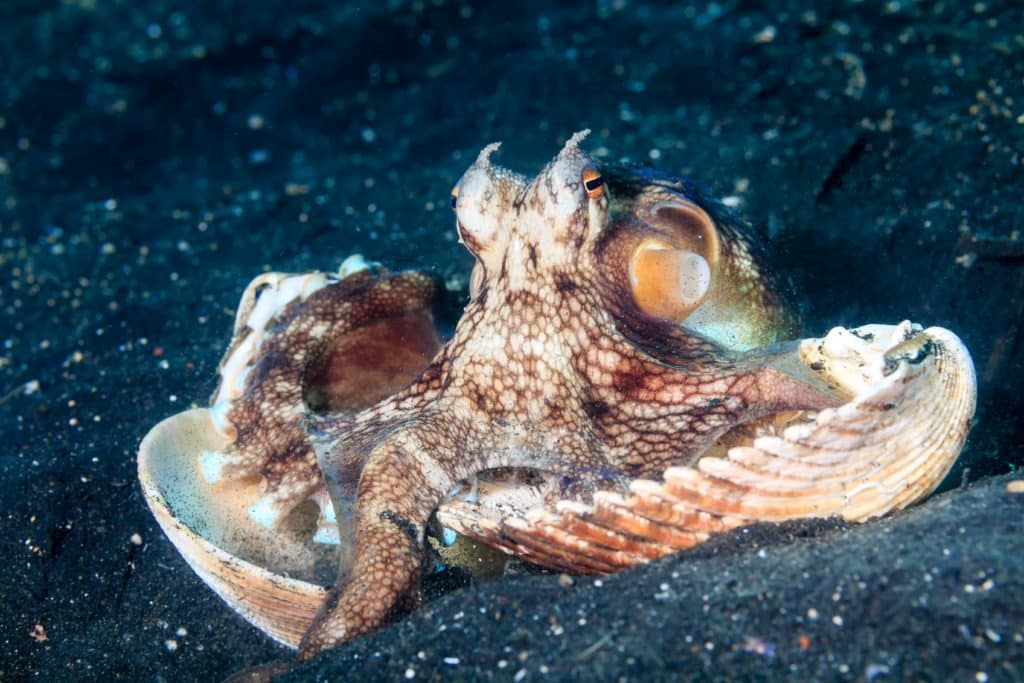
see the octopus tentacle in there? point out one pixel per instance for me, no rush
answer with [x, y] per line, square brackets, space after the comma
[399, 489]
[309, 340]
[912, 395]
[651, 415]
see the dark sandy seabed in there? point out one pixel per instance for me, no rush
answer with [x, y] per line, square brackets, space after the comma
[155, 156]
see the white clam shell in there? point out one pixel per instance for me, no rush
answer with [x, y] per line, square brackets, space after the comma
[912, 401]
[249, 566]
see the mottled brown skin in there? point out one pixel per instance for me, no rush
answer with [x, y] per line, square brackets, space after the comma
[552, 367]
[269, 440]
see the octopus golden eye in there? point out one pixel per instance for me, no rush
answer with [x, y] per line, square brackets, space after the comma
[455, 196]
[593, 182]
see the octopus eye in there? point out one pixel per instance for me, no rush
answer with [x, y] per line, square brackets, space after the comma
[455, 196]
[593, 182]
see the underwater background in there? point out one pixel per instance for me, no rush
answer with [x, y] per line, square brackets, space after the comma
[155, 156]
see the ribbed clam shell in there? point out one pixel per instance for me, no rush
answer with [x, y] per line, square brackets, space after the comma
[246, 564]
[913, 398]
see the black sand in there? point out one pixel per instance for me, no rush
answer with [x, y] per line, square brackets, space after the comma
[156, 156]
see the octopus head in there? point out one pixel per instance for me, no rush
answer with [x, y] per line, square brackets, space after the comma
[519, 229]
[648, 248]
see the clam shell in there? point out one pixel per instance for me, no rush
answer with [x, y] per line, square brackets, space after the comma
[255, 570]
[912, 402]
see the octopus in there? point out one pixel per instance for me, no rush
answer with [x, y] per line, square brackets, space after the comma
[625, 381]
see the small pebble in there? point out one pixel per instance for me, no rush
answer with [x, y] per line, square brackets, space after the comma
[765, 35]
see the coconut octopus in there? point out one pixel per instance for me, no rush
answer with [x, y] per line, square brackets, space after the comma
[618, 387]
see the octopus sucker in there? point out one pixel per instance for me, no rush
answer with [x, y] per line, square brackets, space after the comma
[625, 381]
